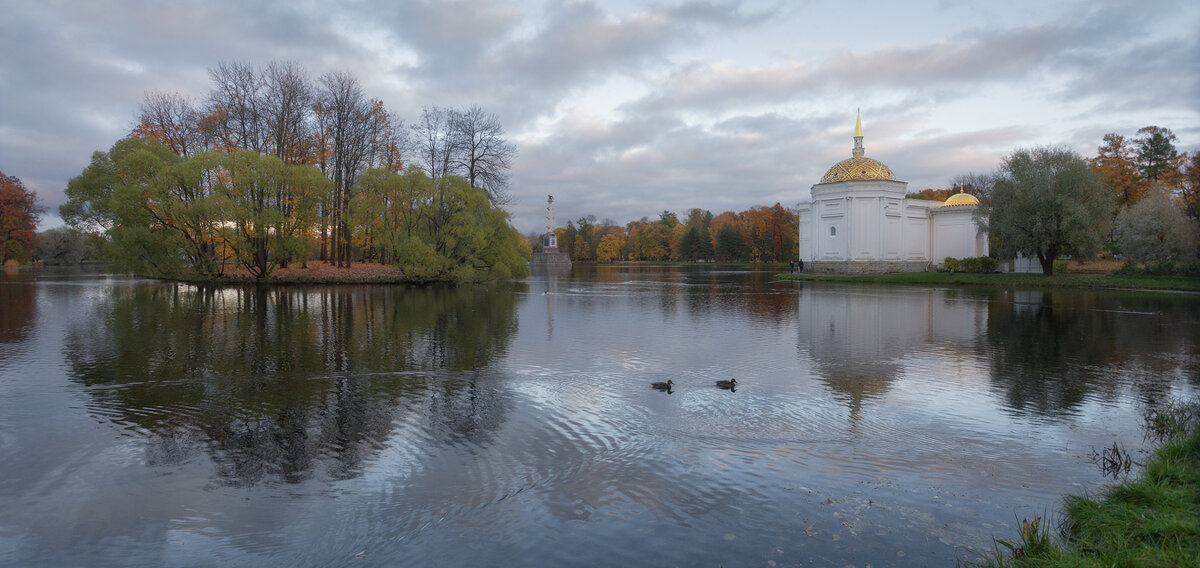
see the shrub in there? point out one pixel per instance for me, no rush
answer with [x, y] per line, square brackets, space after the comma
[973, 264]
[980, 264]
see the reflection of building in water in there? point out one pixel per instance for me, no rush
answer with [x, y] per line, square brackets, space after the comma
[860, 221]
[550, 274]
[858, 338]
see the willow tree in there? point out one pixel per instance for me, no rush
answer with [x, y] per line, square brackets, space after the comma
[1046, 202]
[1155, 230]
[266, 206]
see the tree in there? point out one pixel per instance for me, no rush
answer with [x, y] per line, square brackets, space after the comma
[979, 185]
[1047, 202]
[610, 247]
[389, 207]
[287, 104]
[1114, 162]
[89, 194]
[1156, 230]
[930, 194]
[1190, 187]
[437, 141]
[18, 220]
[237, 103]
[266, 206]
[173, 120]
[484, 156]
[689, 245]
[729, 243]
[1156, 158]
[348, 137]
[66, 246]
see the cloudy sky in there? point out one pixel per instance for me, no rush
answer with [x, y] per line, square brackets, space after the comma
[623, 109]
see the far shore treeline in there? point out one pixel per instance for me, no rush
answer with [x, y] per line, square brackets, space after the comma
[758, 234]
[271, 169]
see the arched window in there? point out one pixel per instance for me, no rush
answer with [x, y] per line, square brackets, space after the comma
[833, 231]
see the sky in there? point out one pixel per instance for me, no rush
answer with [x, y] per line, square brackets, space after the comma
[625, 109]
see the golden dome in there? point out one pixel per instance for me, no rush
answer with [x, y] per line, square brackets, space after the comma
[858, 168]
[961, 198]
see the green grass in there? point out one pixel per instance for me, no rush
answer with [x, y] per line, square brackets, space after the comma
[1150, 521]
[1065, 280]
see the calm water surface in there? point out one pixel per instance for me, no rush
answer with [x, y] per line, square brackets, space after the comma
[156, 424]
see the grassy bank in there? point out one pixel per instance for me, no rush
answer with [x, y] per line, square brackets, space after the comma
[1064, 280]
[1152, 520]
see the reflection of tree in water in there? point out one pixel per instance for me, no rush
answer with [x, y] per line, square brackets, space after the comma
[1052, 350]
[748, 292]
[287, 383]
[18, 306]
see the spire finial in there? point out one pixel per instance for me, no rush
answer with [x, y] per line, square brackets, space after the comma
[858, 146]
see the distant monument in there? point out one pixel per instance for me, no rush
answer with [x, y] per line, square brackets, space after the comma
[550, 255]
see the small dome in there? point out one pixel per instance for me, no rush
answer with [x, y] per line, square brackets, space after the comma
[960, 199]
[858, 168]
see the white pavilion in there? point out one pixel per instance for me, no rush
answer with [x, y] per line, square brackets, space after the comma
[860, 222]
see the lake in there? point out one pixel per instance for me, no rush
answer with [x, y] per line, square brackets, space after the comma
[147, 423]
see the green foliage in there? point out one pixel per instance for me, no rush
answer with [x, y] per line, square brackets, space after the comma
[979, 264]
[729, 243]
[1156, 230]
[174, 216]
[1156, 153]
[1149, 521]
[1047, 203]
[437, 230]
[89, 205]
[1159, 268]
[66, 246]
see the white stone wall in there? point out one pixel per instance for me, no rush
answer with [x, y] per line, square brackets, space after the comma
[869, 226]
[956, 235]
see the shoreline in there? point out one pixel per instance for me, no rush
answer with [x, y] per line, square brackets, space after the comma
[1077, 280]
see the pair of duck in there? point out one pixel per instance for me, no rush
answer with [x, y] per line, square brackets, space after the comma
[730, 384]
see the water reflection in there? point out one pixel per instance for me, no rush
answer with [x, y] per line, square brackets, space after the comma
[732, 291]
[861, 339]
[1052, 350]
[18, 305]
[284, 384]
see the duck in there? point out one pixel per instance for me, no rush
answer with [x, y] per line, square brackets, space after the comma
[663, 386]
[730, 384]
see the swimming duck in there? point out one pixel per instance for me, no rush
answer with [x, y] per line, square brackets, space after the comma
[663, 386]
[727, 384]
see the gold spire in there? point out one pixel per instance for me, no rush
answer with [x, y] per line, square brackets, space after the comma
[858, 147]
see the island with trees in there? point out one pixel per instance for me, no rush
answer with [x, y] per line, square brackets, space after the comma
[272, 170]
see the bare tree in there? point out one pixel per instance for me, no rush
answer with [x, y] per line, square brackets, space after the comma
[286, 109]
[388, 142]
[483, 155]
[173, 119]
[436, 141]
[979, 185]
[345, 113]
[235, 102]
